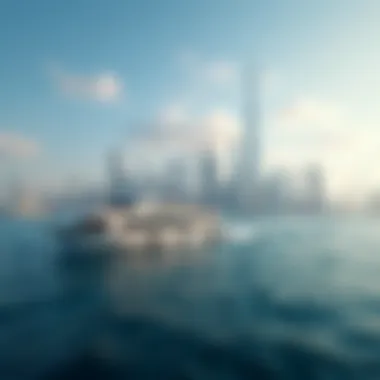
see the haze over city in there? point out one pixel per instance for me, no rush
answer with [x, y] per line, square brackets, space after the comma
[80, 77]
[189, 189]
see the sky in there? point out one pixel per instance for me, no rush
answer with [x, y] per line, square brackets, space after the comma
[78, 77]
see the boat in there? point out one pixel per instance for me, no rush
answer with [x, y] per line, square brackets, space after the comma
[143, 227]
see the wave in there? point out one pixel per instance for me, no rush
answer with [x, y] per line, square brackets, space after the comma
[241, 232]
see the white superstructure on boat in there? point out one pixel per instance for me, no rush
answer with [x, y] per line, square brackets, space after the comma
[146, 226]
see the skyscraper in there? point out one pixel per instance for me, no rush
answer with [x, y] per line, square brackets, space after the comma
[315, 193]
[176, 187]
[119, 185]
[248, 173]
[209, 181]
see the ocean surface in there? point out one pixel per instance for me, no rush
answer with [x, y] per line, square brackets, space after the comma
[283, 298]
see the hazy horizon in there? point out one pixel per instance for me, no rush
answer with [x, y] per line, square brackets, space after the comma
[79, 77]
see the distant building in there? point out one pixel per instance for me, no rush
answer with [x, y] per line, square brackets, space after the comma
[120, 186]
[247, 176]
[315, 192]
[274, 195]
[373, 203]
[208, 177]
[176, 181]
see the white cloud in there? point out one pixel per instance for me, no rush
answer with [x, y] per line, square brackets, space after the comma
[226, 73]
[221, 129]
[216, 129]
[173, 114]
[307, 130]
[272, 82]
[177, 129]
[102, 87]
[219, 72]
[107, 87]
[17, 146]
[315, 131]
[311, 113]
[310, 124]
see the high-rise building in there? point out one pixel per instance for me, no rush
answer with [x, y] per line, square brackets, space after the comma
[120, 186]
[373, 203]
[209, 181]
[315, 193]
[273, 196]
[176, 186]
[248, 173]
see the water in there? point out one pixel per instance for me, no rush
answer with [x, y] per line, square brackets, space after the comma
[285, 298]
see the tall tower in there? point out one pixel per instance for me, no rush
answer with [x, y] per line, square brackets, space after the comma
[250, 147]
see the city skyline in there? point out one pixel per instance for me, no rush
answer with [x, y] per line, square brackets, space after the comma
[78, 83]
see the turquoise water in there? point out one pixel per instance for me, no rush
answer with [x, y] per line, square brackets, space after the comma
[285, 298]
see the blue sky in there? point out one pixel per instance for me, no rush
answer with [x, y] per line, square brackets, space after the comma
[77, 75]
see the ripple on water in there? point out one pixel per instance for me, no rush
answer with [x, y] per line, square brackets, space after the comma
[297, 301]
